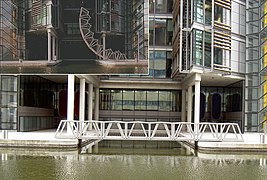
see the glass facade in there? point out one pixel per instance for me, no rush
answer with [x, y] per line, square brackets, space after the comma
[202, 39]
[160, 32]
[140, 100]
[160, 6]
[8, 102]
[230, 104]
[37, 92]
[8, 30]
[255, 87]
[202, 11]
[160, 63]
[160, 39]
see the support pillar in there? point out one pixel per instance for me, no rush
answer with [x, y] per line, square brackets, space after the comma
[189, 104]
[70, 101]
[82, 100]
[104, 43]
[54, 48]
[96, 104]
[90, 104]
[197, 108]
[49, 44]
[197, 102]
[183, 117]
[57, 49]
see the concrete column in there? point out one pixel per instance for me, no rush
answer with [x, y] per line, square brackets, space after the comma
[183, 115]
[90, 102]
[49, 45]
[96, 104]
[57, 49]
[70, 100]
[53, 47]
[49, 12]
[197, 102]
[104, 44]
[82, 100]
[189, 104]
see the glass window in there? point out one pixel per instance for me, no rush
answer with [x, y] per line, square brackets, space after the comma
[128, 100]
[218, 56]
[151, 31]
[8, 99]
[165, 102]
[207, 49]
[157, 65]
[116, 100]
[152, 100]
[161, 6]
[104, 99]
[197, 47]
[218, 14]
[160, 31]
[176, 101]
[140, 100]
[198, 11]
[9, 83]
[8, 102]
[208, 10]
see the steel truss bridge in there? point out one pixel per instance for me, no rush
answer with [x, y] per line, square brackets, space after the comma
[148, 131]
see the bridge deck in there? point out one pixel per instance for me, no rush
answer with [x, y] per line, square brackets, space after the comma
[152, 131]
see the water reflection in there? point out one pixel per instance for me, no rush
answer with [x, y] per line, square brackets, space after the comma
[98, 162]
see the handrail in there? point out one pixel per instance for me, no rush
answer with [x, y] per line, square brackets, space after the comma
[139, 130]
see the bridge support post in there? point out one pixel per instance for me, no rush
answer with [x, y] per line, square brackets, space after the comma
[196, 145]
[96, 104]
[70, 101]
[49, 44]
[82, 103]
[183, 105]
[90, 104]
[197, 107]
[189, 104]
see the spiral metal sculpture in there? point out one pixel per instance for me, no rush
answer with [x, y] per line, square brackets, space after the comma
[92, 43]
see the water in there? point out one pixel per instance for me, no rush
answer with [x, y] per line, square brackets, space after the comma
[117, 162]
[75, 67]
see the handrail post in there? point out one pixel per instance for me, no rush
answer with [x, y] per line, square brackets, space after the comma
[172, 130]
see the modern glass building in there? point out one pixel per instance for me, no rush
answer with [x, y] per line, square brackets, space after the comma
[49, 29]
[206, 64]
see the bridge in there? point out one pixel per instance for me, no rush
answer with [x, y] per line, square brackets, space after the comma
[148, 131]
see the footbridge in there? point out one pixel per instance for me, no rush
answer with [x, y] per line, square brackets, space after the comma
[148, 131]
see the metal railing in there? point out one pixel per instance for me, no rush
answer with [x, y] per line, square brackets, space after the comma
[156, 131]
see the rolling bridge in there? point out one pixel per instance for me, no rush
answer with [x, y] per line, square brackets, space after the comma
[148, 131]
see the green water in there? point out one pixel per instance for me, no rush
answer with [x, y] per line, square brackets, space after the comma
[117, 162]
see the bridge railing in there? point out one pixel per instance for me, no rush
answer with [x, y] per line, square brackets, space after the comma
[157, 131]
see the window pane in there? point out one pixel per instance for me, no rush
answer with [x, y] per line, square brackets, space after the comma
[152, 100]
[116, 100]
[140, 100]
[128, 100]
[9, 83]
[160, 31]
[164, 101]
[207, 49]
[197, 47]
[198, 11]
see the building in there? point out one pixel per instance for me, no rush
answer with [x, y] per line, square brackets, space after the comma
[49, 32]
[199, 71]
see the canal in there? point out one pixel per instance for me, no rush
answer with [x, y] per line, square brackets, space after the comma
[130, 161]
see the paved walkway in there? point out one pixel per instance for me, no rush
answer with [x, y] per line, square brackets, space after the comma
[36, 139]
[45, 138]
